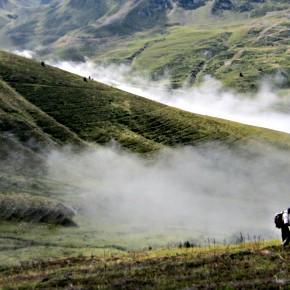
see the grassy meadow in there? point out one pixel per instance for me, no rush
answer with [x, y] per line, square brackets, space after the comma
[75, 111]
[244, 266]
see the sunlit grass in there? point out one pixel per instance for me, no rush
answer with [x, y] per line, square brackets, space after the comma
[250, 265]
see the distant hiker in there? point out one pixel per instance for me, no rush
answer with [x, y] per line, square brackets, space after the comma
[43, 64]
[281, 221]
[241, 75]
[85, 80]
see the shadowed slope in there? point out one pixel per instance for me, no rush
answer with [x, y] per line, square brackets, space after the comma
[26, 130]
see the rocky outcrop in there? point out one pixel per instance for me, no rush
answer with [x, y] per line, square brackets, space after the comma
[191, 4]
[219, 5]
[245, 7]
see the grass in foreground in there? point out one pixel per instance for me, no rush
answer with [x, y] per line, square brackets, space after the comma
[252, 265]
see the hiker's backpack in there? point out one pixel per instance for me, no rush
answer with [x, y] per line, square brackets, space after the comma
[278, 220]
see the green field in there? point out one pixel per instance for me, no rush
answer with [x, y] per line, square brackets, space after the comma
[257, 48]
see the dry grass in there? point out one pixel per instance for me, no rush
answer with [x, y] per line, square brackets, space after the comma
[246, 266]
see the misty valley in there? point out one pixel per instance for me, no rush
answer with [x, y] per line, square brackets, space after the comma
[144, 144]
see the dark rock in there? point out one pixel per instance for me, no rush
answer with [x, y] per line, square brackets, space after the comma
[191, 4]
[257, 1]
[219, 5]
[245, 7]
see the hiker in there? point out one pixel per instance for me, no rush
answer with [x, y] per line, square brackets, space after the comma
[282, 222]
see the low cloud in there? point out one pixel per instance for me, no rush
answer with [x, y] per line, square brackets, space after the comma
[211, 190]
[25, 53]
[264, 109]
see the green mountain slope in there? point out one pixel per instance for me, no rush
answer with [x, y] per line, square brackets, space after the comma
[258, 48]
[42, 107]
[99, 113]
[26, 129]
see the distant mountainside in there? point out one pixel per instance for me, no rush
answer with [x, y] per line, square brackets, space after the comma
[185, 39]
[53, 19]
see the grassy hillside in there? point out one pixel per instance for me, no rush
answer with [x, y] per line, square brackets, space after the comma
[205, 44]
[26, 129]
[36, 209]
[43, 107]
[247, 266]
[99, 113]
[256, 48]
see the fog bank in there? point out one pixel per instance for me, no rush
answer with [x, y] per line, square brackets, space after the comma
[213, 191]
